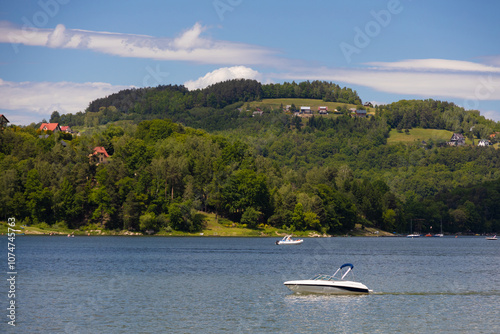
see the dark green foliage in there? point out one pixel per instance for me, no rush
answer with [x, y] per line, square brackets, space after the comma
[211, 108]
[155, 130]
[243, 190]
[432, 114]
[321, 173]
[326, 91]
[183, 218]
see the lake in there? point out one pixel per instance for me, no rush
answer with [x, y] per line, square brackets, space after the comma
[235, 285]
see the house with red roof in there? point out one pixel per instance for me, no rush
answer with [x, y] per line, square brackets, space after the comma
[323, 110]
[99, 156]
[3, 121]
[54, 127]
[66, 129]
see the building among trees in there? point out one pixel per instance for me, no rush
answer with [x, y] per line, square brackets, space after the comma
[54, 127]
[457, 139]
[99, 156]
[3, 121]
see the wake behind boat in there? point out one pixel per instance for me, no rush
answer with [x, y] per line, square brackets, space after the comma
[287, 240]
[326, 284]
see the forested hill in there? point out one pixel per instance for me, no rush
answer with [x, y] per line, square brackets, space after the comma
[323, 172]
[192, 108]
[215, 108]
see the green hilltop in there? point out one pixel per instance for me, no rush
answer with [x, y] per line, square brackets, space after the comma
[177, 159]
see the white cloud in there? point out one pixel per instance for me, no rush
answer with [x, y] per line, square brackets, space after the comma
[20, 101]
[223, 74]
[436, 65]
[491, 114]
[58, 38]
[466, 83]
[189, 46]
[191, 38]
[473, 84]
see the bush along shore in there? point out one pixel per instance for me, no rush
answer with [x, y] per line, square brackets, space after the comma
[212, 228]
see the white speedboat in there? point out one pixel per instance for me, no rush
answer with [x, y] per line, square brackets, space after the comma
[413, 235]
[287, 240]
[326, 284]
[492, 238]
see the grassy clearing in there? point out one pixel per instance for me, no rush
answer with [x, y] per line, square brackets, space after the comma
[313, 103]
[38, 229]
[417, 135]
[222, 227]
[359, 231]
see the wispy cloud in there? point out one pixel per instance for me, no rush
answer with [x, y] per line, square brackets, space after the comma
[491, 60]
[436, 65]
[223, 74]
[424, 78]
[36, 100]
[190, 45]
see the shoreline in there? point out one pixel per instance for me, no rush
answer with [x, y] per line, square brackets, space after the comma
[213, 228]
[237, 233]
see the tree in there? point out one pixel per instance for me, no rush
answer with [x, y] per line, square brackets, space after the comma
[298, 217]
[67, 206]
[246, 189]
[147, 222]
[100, 197]
[183, 217]
[55, 117]
[155, 130]
[311, 221]
[297, 122]
[39, 199]
[131, 212]
[389, 220]
[250, 217]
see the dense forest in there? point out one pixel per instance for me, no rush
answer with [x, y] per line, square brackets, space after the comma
[175, 153]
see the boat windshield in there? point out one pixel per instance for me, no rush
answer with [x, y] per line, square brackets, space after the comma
[338, 276]
[324, 278]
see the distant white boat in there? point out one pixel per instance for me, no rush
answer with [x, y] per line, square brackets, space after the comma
[492, 238]
[287, 240]
[326, 284]
[440, 235]
[412, 235]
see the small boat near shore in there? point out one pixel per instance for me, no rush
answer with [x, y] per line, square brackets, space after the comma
[331, 285]
[413, 235]
[440, 235]
[492, 238]
[287, 240]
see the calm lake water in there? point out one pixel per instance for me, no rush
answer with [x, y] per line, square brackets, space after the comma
[235, 285]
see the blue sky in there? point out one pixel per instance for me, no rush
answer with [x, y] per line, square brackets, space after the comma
[62, 54]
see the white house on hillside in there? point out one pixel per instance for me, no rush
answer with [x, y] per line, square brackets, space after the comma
[305, 110]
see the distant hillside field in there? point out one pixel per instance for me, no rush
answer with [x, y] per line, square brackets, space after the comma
[313, 103]
[417, 135]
